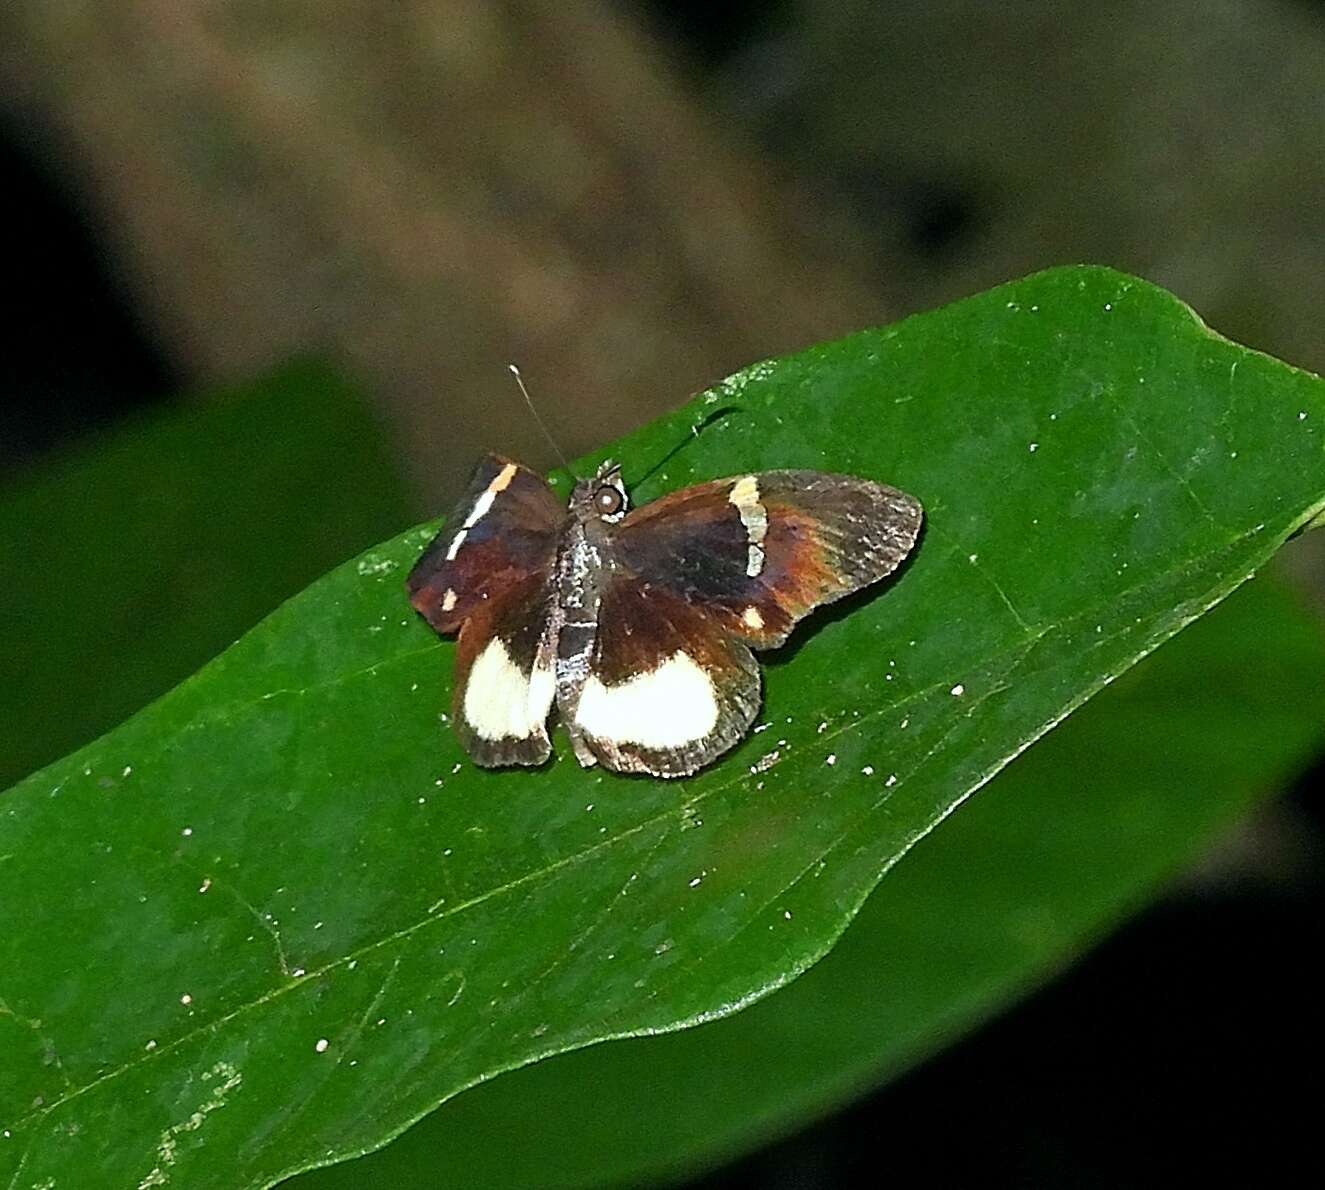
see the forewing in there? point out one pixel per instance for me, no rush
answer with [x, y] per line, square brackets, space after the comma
[759, 552]
[505, 676]
[503, 530]
[668, 688]
[488, 576]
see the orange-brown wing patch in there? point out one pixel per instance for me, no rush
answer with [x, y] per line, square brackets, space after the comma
[760, 552]
[503, 529]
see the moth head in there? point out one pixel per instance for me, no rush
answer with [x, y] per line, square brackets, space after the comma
[603, 496]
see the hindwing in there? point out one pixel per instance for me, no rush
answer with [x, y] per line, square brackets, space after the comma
[668, 687]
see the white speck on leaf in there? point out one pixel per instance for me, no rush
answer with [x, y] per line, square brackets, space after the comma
[373, 566]
[868, 770]
[321, 1045]
[187, 831]
[831, 758]
[186, 999]
[1034, 447]
[958, 690]
[166, 1150]
[892, 780]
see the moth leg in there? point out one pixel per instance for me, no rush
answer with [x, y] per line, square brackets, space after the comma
[583, 753]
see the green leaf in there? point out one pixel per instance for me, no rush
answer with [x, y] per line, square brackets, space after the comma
[1064, 841]
[135, 559]
[274, 918]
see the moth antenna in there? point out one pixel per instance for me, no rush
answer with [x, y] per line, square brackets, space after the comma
[552, 442]
[695, 430]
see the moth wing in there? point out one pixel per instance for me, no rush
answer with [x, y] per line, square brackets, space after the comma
[505, 676]
[668, 688]
[488, 575]
[759, 552]
[504, 529]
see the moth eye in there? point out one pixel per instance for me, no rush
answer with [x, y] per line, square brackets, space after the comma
[607, 500]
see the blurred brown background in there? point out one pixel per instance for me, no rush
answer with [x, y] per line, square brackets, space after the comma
[632, 199]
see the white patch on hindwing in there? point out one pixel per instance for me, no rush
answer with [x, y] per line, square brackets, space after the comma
[754, 517]
[500, 482]
[752, 619]
[668, 707]
[501, 700]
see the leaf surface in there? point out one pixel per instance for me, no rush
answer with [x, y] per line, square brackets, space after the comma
[1073, 834]
[275, 917]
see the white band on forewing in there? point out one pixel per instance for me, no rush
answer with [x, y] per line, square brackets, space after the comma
[754, 517]
[501, 481]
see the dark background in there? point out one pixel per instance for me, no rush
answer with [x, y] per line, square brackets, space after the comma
[869, 160]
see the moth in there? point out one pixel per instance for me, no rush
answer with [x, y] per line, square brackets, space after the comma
[639, 624]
